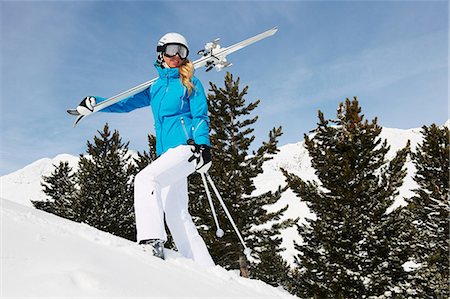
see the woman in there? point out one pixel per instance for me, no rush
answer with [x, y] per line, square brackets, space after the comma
[180, 111]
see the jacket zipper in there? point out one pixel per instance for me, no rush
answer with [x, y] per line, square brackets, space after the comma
[159, 111]
[182, 99]
[184, 128]
[167, 82]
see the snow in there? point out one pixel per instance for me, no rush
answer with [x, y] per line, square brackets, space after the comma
[43, 255]
[411, 266]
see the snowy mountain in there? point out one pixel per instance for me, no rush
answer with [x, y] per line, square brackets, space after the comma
[24, 185]
[44, 256]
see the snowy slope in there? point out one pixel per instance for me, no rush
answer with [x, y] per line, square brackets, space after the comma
[43, 255]
[24, 184]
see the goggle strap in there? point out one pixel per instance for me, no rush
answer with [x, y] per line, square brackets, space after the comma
[163, 47]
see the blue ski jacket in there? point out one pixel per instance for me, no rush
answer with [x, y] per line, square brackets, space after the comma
[178, 115]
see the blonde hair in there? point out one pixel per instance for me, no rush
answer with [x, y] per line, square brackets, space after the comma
[186, 75]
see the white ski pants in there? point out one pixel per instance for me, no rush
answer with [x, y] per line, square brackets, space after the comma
[161, 188]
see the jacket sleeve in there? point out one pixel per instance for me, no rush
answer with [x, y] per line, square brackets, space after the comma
[199, 111]
[139, 100]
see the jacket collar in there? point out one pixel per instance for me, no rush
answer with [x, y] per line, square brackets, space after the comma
[167, 72]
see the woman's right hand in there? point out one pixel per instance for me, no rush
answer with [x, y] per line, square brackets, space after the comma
[202, 155]
[86, 106]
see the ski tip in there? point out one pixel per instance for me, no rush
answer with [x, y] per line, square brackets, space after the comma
[274, 29]
[79, 118]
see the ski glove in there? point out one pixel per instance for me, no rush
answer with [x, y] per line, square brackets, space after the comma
[86, 106]
[202, 154]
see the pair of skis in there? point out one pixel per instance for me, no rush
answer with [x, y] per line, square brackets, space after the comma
[213, 56]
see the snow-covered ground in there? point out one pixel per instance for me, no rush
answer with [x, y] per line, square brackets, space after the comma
[44, 255]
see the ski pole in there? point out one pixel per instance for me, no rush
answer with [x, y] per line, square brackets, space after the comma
[247, 250]
[219, 231]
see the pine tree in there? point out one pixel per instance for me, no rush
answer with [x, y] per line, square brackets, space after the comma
[59, 186]
[272, 269]
[105, 196]
[146, 158]
[353, 248]
[100, 193]
[429, 210]
[233, 171]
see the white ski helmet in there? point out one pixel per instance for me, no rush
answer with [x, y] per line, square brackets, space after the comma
[172, 38]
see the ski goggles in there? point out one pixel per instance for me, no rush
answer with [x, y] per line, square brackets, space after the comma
[170, 50]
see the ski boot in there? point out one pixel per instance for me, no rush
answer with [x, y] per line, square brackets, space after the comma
[156, 245]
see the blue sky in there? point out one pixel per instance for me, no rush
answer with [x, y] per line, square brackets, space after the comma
[392, 55]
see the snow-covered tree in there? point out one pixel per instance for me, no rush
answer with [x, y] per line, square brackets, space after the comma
[59, 186]
[105, 196]
[429, 210]
[233, 171]
[353, 248]
[100, 192]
